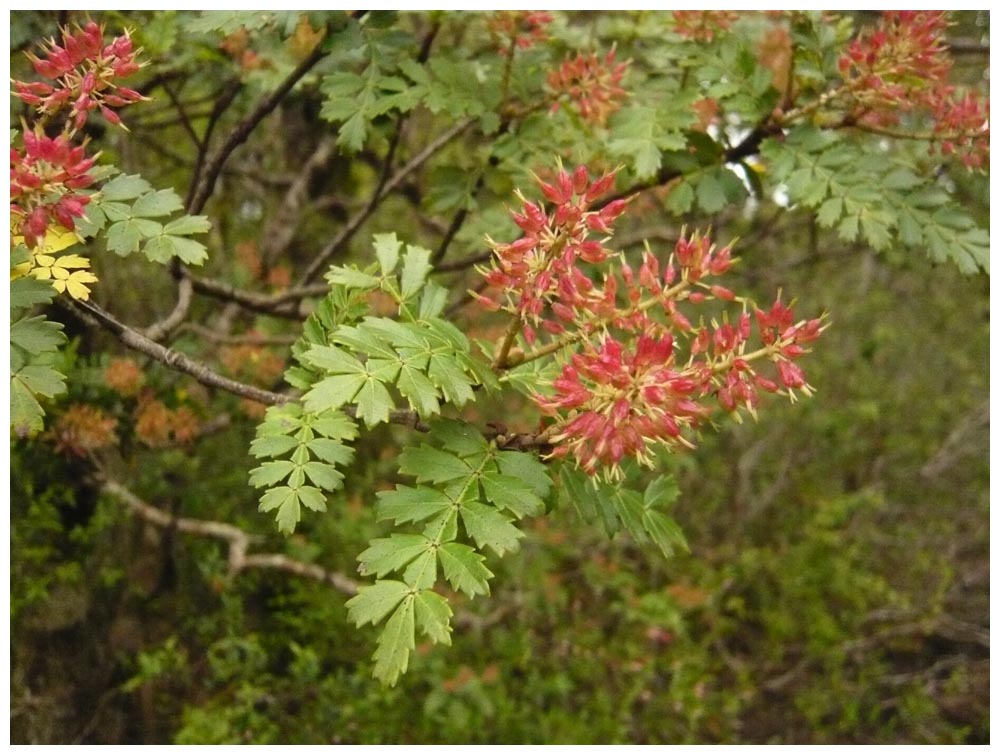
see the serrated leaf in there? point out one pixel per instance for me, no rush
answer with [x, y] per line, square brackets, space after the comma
[416, 266]
[421, 574]
[331, 451]
[489, 528]
[433, 300]
[664, 532]
[829, 212]
[36, 334]
[333, 392]
[374, 402]
[661, 492]
[387, 248]
[42, 380]
[511, 493]
[333, 359]
[447, 376]
[163, 248]
[351, 277]
[429, 464]
[270, 472]
[273, 445]
[122, 188]
[123, 238]
[527, 468]
[323, 475]
[27, 292]
[405, 504]
[25, 412]
[418, 390]
[463, 567]
[312, 498]
[187, 225]
[395, 643]
[285, 501]
[385, 555]
[335, 425]
[433, 615]
[576, 489]
[374, 602]
[156, 204]
[629, 508]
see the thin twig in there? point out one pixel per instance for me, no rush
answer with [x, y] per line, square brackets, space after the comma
[324, 256]
[238, 135]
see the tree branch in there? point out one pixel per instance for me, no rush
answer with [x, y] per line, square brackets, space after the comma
[347, 232]
[173, 359]
[238, 540]
[243, 130]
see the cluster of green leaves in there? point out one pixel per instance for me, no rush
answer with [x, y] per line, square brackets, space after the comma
[313, 443]
[857, 190]
[124, 210]
[345, 360]
[34, 350]
[387, 77]
[462, 479]
[618, 507]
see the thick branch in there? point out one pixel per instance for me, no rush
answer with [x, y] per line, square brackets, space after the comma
[238, 540]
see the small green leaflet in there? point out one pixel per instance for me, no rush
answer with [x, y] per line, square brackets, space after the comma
[314, 441]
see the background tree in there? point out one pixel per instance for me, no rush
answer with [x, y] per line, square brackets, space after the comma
[463, 273]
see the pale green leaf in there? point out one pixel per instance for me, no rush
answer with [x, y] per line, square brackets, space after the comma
[387, 248]
[270, 472]
[333, 392]
[489, 528]
[433, 615]
[395, 643]
[464, 569]
[431, 465]
[385, 555]
[405, 504]
[373, 603]
[416, 266]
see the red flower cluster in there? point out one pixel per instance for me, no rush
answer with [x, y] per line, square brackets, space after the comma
[43, 185]
[703, 25]
[537, 275]
[903, 66]
[83, 429]
[83, 71]
[521, 28]
[644, 375]
[592, 85]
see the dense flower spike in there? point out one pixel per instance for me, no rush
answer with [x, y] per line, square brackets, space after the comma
[902, 66]
[592, 84]
[83, 72]
[643, 375]
[519, 28]
[44, 183]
